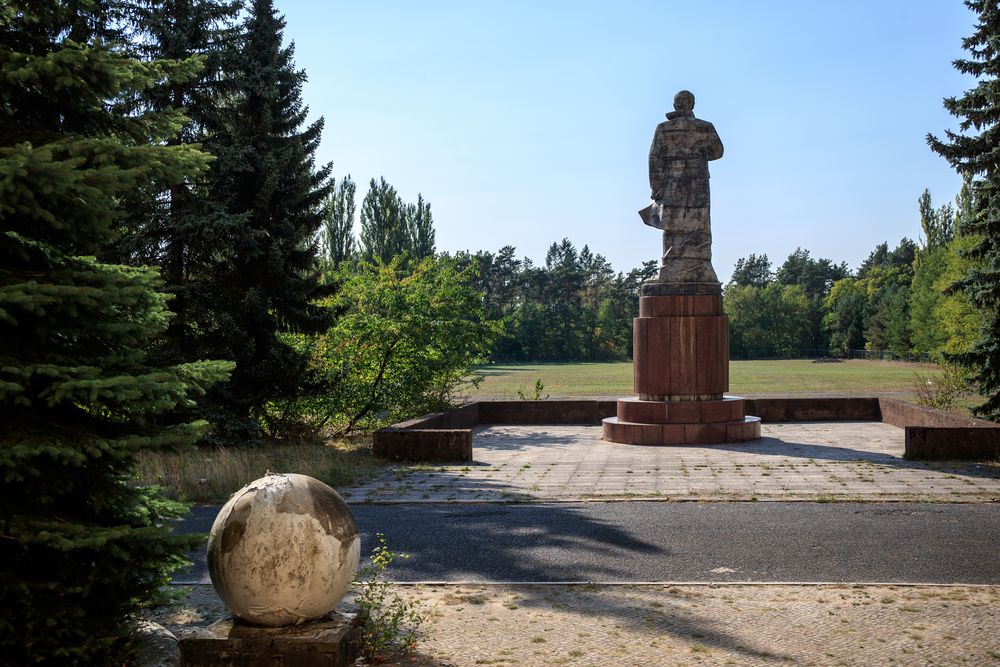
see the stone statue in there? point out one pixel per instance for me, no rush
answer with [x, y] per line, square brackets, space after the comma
[678, 176]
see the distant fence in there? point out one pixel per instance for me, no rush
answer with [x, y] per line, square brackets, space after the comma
[871, 355]
[752, 355]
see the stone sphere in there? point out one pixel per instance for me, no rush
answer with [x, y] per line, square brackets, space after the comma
[283, 550]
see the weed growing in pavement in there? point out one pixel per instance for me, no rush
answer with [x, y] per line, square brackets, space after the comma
[390, 624]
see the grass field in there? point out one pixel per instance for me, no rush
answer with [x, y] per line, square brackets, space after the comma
[749, 378]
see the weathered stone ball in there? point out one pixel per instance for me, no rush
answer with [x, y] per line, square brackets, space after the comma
[283, 550]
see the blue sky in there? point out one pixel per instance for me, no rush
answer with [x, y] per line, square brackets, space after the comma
[526, 122]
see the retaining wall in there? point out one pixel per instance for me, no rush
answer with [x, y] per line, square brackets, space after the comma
[929, 433]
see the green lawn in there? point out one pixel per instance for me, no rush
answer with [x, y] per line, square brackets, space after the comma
[749, 378]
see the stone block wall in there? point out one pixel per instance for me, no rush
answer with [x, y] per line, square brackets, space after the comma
[929, 434]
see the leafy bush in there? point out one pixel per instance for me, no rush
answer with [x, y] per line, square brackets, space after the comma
[942, 391]
[405, 343]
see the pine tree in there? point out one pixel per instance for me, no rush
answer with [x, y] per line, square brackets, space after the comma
[82, 548]
[265, 276]
[974, 152]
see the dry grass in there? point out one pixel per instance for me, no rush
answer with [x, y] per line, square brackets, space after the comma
[207, 475]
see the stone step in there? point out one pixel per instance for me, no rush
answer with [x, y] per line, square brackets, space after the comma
[638, 411]
[632, 433]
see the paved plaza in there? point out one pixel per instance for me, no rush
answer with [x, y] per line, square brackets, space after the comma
[816, 461]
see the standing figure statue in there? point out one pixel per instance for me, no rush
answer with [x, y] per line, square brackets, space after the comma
[678, 176]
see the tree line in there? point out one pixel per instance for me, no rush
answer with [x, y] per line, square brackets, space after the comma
[902, 300]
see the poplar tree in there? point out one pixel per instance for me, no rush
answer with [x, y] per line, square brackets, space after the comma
[390, 227]
[337, 233]
[383, 223]
[82, 548]
[264, 182]
[974, 152]
[420, 228]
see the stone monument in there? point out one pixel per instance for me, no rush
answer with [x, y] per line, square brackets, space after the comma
[681, 337]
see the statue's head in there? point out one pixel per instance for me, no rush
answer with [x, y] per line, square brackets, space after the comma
[684, 101]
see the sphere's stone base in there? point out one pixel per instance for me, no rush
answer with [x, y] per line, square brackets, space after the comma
[328, 641]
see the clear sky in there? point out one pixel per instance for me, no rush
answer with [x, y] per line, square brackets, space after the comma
[527, 122]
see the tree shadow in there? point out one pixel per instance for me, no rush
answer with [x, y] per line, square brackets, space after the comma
[518, 543]
[793, 449]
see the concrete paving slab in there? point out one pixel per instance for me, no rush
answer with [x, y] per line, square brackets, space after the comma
[832, 461]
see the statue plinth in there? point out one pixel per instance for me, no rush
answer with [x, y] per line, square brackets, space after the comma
[681, 374]
[681, 338]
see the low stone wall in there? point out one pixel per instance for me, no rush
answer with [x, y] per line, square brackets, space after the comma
[423, 444]
[902, 414]
[952, 443]
[545, 412]
[929, 434]
[776, 410]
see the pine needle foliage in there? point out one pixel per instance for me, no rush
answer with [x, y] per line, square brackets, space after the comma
[974, 152]
[265, 279]
[82, 547]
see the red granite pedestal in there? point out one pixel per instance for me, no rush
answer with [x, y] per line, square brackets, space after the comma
[681, 374]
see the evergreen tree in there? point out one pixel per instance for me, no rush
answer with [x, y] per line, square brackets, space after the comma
[264, 184]
[176, 229]
[337, 235]
[752, 271]
[975, 153]
[82, 548]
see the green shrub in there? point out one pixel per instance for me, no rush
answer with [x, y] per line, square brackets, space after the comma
[406, 342]
[390, 624]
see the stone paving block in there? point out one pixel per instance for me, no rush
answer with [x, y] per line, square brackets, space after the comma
[848, 461]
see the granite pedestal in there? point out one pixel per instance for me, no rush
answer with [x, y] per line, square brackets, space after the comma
[681, 374]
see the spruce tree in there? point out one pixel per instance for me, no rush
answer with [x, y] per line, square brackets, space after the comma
[178, 229]
[974, 152]
[82, 548]
[265, 277]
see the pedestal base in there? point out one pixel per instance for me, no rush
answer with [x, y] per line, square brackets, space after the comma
[681, 372]
[716, 433]
[327, 642]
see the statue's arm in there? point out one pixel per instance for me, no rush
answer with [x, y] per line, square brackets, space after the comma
[655, 173]
[714, 144]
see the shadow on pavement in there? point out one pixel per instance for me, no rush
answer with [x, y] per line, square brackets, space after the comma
[791, 449]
